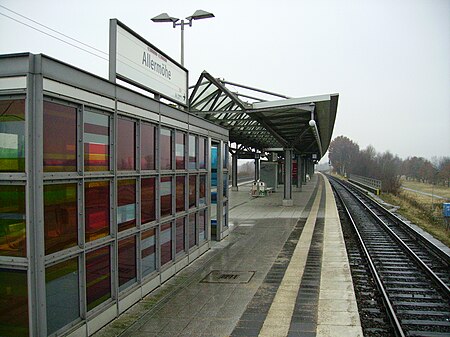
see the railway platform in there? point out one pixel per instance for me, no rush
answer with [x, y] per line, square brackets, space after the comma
[282, 271]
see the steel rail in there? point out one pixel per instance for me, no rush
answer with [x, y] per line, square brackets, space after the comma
[398, 330]
[435, 278]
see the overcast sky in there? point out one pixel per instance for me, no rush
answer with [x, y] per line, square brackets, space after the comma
[388, 60]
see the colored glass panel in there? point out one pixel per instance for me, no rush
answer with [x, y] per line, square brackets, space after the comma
[202, 226]
[12, 135]
[60, 138]
[98, 277]
[165, 153]
[166, 196]
[60, 217]
[166, 243]
[148, 251]
[12, 221]
[96, 205]
[180, 193]
[147, 147]
[192, 191]
[202, 153]
[126, 144]
[180, 232]
[192, 153]
[180, 144]
[96, 141]
[192, 230]
[126, 204]
[62, 294]
[13, 303]
[202, 190]
[127, 262]
[148, 212]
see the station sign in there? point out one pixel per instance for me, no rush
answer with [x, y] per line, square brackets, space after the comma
[136, 61]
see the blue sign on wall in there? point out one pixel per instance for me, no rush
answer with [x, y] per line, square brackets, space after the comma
[446, 209]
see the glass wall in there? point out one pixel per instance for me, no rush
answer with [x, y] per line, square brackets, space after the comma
[148, 207]
[60, 217]
[180, 145]
[96, 141]
[165, 143]
[126, 144]
[98, 276]
[166, 243]
[122, 199]
[13, 303]
[12, 135]
[60, 137]
[62, 294]
[12, 221]
[126, 204]
[97, 206]
[147, 146]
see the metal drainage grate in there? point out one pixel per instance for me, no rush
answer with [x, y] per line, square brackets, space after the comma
[218, 276]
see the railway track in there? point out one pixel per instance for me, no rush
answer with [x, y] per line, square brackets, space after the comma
[409, 277]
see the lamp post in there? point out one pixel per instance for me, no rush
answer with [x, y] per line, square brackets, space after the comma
[199, 14]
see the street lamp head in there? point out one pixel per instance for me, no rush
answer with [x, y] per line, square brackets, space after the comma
[200, 14]
[164, 17]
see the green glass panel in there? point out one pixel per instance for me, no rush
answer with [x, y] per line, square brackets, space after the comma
[12, 136]
[60, 217]
[12, 221]
[13, 303]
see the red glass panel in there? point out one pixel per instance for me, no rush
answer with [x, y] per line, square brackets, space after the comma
[192, 225]
[126, 144]
[126, 204]
[60, 138]
[97, 208]
[180, 144]
[192, 191]
[180, 194]
[13, 303]
[60, 217]
[12, 135]
[148, 212]
[147, 147]
[180, 234]
[96, 141]
[165, 153]
[127, 262]
[12, 221]
[166, 196]
[166, 243]
[98, 276]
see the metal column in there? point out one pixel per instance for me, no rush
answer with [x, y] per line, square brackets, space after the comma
[257, 167]
[287, 200]
[234, 169]
[299, 173]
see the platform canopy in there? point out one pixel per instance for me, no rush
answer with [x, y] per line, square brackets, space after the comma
[302, 124]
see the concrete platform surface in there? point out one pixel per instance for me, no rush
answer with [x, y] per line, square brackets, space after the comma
[282, 271]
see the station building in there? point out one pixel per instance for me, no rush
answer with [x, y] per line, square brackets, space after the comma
[105, 193]
[102, 195]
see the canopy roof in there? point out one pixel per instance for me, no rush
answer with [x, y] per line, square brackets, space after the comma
[303, 124]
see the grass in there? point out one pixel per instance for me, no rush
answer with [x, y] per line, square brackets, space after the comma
[423, 210]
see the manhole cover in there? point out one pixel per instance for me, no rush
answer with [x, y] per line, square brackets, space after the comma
[219, 276]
